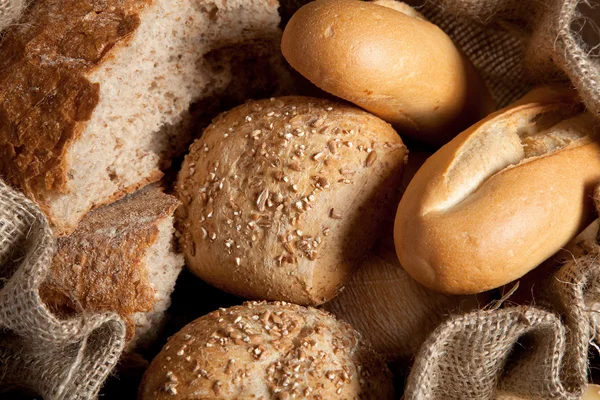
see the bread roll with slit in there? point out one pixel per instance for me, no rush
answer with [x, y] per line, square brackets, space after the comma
[267, 351]
[282, 197]
[121, 259]
[94, 94]
[501, 197]
[388, 59]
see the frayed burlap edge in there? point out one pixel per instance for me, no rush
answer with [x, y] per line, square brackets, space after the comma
[59, 359]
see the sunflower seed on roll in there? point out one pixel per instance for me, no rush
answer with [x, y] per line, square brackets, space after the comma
[267, 351]
[281, 197]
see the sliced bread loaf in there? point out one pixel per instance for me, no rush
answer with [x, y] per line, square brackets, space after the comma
[121, 258]
[92, 93]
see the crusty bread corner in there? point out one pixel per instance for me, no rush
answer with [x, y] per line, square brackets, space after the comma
[500, 198]
[282, 196]
[121, 259]
[270, 351]
[88, 91]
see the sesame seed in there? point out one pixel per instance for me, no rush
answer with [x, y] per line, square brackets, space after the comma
[238, 261]
[318, 156]
[329, 108]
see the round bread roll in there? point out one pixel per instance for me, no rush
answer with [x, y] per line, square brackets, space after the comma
[267, 351]
[282, 197]
[501, 197]
[391, 62]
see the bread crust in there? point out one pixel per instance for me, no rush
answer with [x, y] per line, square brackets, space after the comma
[281, 197]
[480, 214]
[45, 97]
[400, 67]
[100, 266]
[269, 351]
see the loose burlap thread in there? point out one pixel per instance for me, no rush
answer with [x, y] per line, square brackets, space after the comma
[58, 359]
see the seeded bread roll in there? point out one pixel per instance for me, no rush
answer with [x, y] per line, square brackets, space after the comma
[122, 258]
[282, 197]
[389, 60]
[267, 351]
[502, 197]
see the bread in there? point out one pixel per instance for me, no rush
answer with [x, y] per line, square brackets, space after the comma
[501, 197]
[93, 93]
[267, 351]
[390, 62]
[120, 259]
[282, 196]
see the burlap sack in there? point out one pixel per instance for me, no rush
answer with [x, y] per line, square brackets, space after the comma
[58, 359]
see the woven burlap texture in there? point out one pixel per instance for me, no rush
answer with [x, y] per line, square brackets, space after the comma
[57, 358]
[536, 352]
[10, 10]
[519, 43]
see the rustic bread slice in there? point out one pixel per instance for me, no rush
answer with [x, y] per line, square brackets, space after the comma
[121, 258]
[92, 93]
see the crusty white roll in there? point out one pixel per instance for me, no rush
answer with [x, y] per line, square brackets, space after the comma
[501, 197]
[267, 351]
[282, 197]
[390, 61]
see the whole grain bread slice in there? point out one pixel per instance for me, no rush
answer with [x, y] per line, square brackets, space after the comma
[93, 92]
[121, 258]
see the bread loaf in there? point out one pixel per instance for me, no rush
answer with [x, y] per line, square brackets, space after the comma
[121, 259]
[389, 60]
[267, 351]
[93, 93]
[501, 197]
[282, 197]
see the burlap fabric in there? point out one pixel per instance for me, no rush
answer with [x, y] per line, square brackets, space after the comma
[58, 359]
[10, 10]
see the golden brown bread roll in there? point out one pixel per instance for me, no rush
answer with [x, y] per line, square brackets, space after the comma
[267, 351]
[501, 197]
[392, 63]
[282, 197]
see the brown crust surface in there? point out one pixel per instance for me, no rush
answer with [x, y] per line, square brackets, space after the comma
[99, 267]
[267, 351]
[283, 196]
[45, 98]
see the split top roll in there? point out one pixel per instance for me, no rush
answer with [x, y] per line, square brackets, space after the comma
[501, 197]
